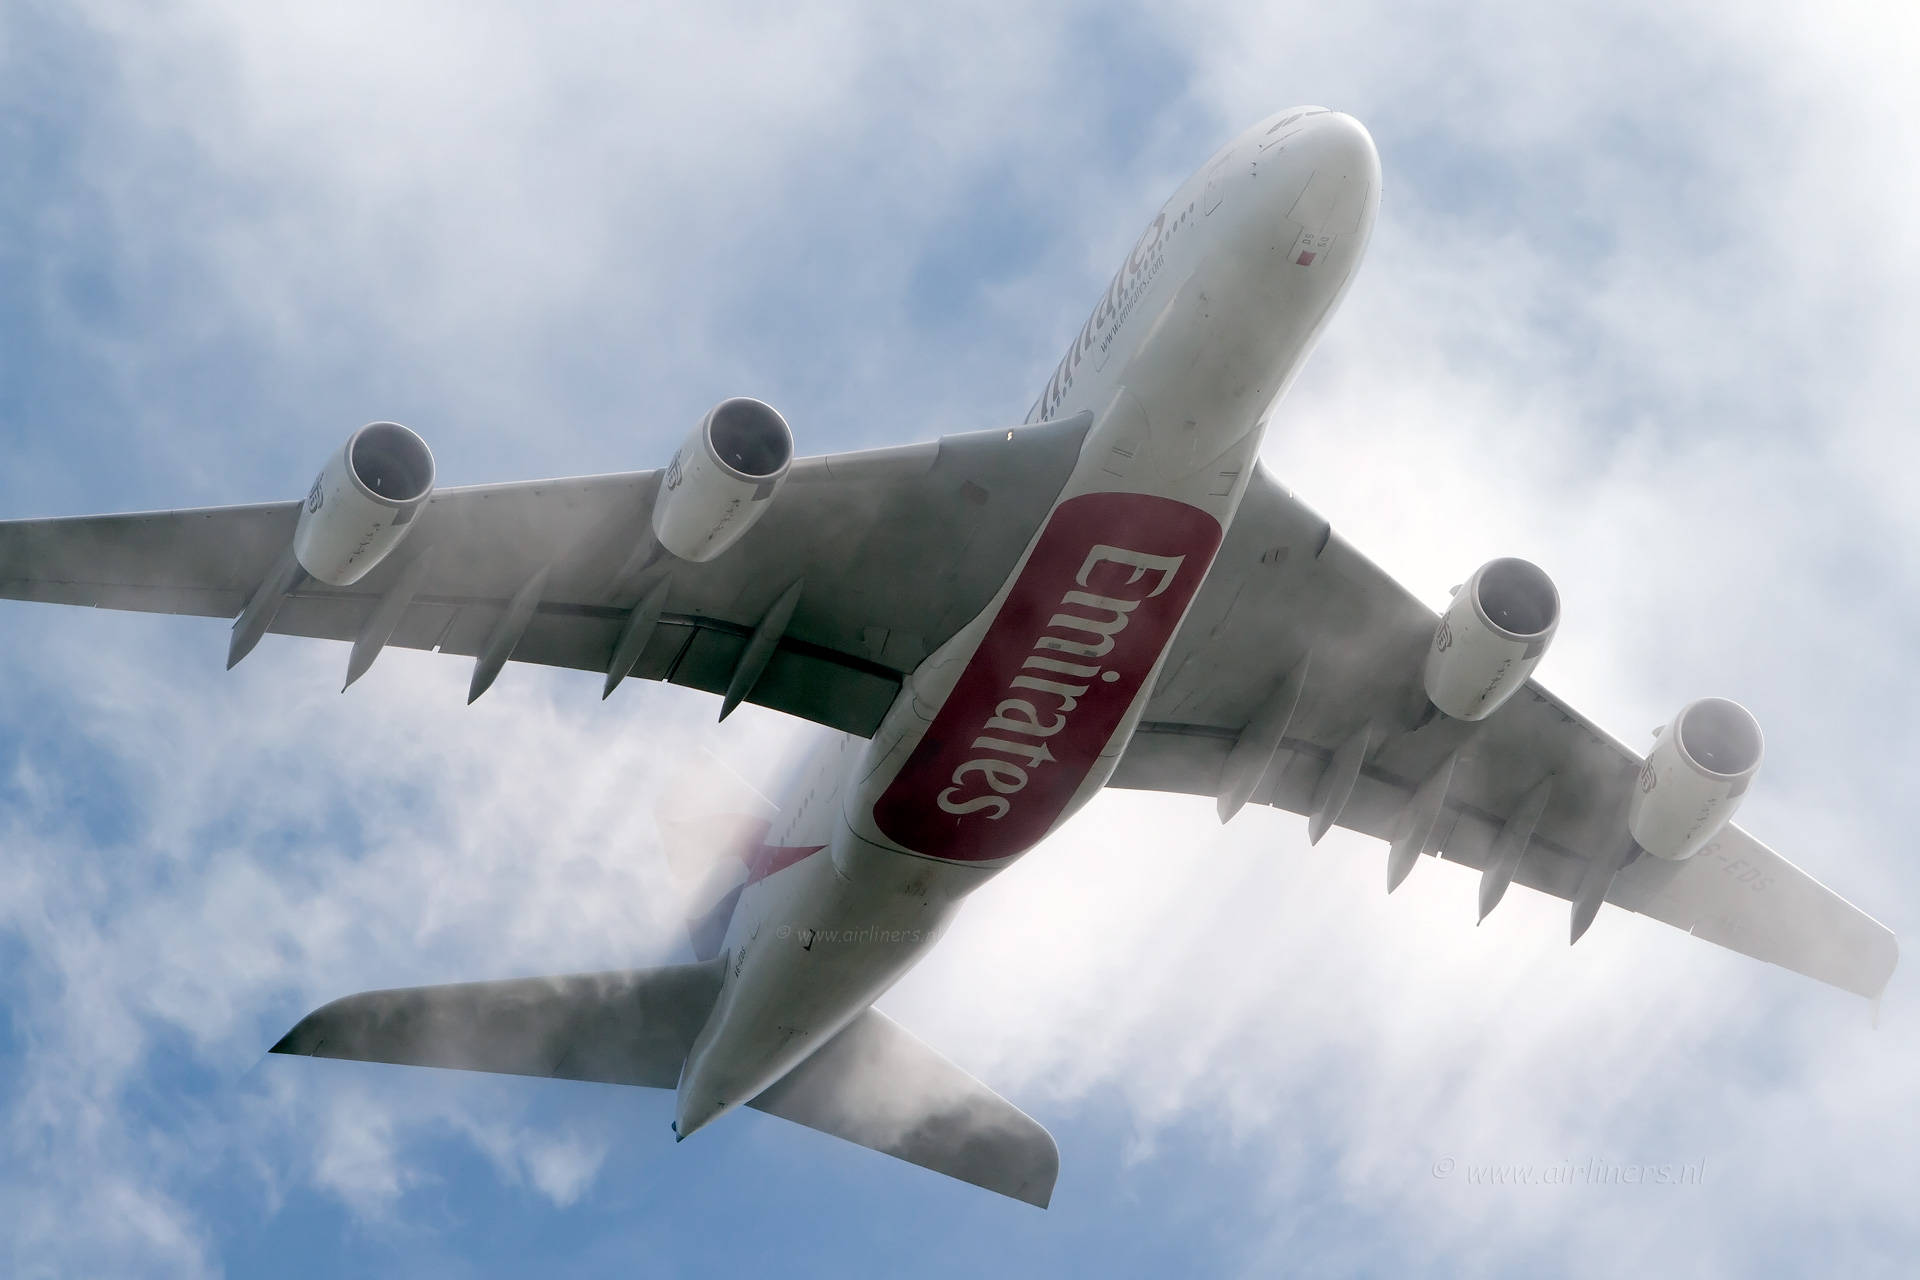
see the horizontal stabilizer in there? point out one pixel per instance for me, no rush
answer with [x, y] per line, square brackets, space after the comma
[632, 1026]
[878, 1085]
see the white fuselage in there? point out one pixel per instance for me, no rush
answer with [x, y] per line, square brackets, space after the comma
[1020, 718]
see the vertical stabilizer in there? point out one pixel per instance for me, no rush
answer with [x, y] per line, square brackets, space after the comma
[711, 823]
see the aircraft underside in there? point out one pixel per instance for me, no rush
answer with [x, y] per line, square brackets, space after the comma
[993, 628]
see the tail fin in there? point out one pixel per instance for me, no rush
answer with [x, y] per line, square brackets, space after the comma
[711, 821]
[708, 932]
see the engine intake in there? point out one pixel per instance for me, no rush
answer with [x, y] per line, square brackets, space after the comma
[723, 479]
[363, 503]
[1491, 638]
[1694, 778]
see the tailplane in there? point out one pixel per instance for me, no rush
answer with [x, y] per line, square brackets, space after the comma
[873, 1084]
[878, 1085]
[632, 1026]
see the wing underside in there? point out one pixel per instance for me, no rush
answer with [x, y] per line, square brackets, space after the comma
[882, 555]
[892, 550]
[1286, 586]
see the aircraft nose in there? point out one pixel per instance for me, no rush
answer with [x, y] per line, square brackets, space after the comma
[1341, 147]
[1332, 189]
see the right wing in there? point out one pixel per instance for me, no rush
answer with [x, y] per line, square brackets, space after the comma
[1284, 585]
[897, 548]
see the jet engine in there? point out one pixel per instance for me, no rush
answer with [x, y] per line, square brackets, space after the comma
[723, 479]
[363, 503]
[1491, 638]
[1694, 778]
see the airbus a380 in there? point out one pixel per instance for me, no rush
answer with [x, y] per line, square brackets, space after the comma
[991, 628]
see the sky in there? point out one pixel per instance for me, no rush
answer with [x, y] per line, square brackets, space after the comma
[1640, 306]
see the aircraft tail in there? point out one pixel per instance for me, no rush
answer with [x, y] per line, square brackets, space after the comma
[629, 1027]
[711, 822]
[878, 1085]
[874, 1084]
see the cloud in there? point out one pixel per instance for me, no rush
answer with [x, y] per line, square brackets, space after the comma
[1669, 426]
[563, 1169]
[355, 1158]
[1638, 308]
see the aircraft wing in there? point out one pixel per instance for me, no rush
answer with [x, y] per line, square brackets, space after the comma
[1284, 585]
[894, 550]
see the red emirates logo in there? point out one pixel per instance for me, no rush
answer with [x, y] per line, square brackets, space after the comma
[1064, 659]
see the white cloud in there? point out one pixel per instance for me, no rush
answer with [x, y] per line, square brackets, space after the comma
[562, 1169]
[1639, 308]
[355, 1157]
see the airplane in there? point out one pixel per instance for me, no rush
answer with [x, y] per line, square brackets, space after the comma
[988, 629]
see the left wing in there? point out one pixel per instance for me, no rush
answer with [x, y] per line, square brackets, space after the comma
[1285, 584]
[894, 549]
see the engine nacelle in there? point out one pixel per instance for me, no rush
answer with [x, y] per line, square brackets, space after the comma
[1491, 638]
[723, 479]
[1694, 778]
[363, 503]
